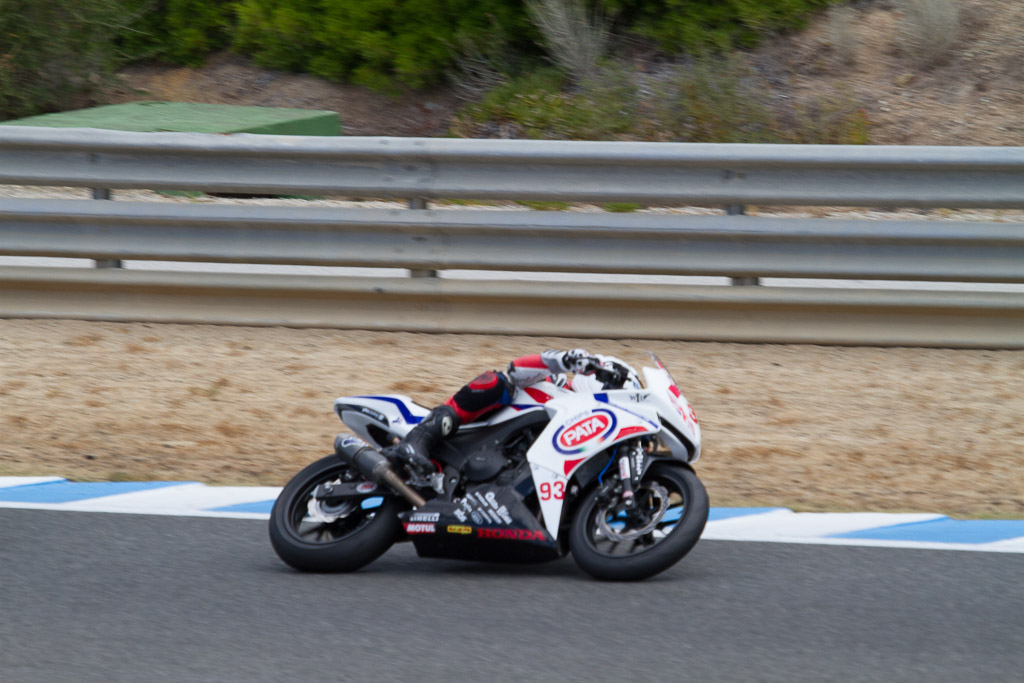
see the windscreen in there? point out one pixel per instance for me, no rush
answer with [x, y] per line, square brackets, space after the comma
[661, 366]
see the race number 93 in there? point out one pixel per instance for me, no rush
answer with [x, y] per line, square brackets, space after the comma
[555, 491]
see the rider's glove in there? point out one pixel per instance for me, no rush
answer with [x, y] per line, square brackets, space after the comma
[577, 360]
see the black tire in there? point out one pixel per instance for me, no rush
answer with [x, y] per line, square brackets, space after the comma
[646, 560]
[342, 546]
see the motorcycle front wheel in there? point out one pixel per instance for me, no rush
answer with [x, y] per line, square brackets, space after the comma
[312, 538]
[609, 545]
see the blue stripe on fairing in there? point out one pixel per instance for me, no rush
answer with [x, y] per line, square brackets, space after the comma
[264, 506]
[71, 491]
[603, 398]
[406, 415]
[944, 530]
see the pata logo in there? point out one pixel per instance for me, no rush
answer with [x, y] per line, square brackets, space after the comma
[584, 430]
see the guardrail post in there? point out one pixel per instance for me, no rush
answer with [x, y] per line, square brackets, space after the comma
[420, 204]
[741, 210]
[104, 193]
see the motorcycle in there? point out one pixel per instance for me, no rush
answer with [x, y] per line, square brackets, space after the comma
[599, 467]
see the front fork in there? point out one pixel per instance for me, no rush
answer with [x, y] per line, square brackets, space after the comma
[619, 497]
[632, 460]
[626, 476]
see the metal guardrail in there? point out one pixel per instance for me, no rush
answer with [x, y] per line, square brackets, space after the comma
[429, 168]
[425, 241]
[734, 246]
[566, 309]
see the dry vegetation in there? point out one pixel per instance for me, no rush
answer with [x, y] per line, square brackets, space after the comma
[813, 428]
[931, 29]
[842, 34]
[575, 33]
[923, 77]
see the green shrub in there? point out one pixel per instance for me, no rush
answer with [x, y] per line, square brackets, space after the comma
[56, 54]
[545, 206]
[715, 100]
[826, 120]
[711, 25]
[416, 42]
[542, 105]
[375, 42]
[708, 100]
[278, 33]
[178, 31]
[727, 100]
[622, 207]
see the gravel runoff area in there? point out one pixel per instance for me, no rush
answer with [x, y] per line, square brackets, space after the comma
[808, 427]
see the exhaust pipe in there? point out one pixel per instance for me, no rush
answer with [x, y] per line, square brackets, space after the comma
[374, 466]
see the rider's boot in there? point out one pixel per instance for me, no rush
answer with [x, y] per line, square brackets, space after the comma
[418, 445]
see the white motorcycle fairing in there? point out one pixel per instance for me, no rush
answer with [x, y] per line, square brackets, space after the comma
[379, 419]
[396, 414]
[569, 467]
[584, 422]
[580, 428]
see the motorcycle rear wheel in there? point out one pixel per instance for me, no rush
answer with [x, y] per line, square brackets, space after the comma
[344, 545]
[607, 558]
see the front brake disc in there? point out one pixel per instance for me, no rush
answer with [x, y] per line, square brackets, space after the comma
[659, 492]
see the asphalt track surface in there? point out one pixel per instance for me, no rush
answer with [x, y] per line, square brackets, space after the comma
[98, 597]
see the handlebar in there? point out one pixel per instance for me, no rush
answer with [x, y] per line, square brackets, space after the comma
[610, 378]
[611, 374]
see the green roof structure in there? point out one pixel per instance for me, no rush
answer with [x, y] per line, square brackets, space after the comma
[150, 117]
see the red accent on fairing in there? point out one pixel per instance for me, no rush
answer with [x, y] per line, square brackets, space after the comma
[571, 464]
[626, 431]
[537, 395]
[675, 391]
[534, 361]
[484, 381]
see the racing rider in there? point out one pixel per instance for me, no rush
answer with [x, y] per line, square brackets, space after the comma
[492, 389]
